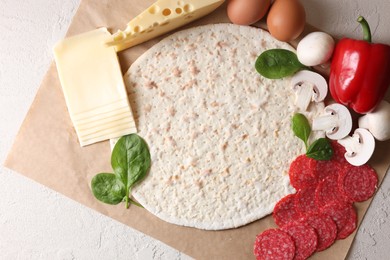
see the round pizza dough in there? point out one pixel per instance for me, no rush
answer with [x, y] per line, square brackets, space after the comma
[218, 132]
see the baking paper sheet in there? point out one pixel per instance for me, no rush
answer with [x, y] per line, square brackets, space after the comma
[47, 151]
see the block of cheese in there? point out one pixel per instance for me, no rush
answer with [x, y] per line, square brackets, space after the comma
[93, 86]
[161, 17]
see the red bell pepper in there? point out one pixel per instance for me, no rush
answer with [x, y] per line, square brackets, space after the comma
[360, 72]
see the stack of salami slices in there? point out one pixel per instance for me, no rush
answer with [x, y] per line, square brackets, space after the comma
[321, 210]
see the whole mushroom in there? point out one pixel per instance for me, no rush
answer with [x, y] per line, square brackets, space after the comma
[378, 121]
[309, 86]
[315, 49]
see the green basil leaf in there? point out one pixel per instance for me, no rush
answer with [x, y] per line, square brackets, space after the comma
[107, 188]
[301, 127]
[131, 161]
[320, 150]
[278, 63]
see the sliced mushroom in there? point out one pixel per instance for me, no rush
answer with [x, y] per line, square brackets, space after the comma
[309, 86]
[336, 122]
[360, 147]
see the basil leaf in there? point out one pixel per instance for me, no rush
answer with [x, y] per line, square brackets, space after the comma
[301, 127]
[278, 63]
[107, 188]
[131, 161]
[320, 150]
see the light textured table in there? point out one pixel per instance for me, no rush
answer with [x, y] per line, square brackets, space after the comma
[37, 223]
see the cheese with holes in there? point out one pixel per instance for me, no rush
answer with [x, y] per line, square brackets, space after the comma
[162, 17]
[93, 86]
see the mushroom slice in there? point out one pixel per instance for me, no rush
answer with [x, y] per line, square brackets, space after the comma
[309, 86]
[360, 147]
[336, 122]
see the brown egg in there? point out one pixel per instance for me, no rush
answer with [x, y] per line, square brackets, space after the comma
[246, 12]
[286, 19]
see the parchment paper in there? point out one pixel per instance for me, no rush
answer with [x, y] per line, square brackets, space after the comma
[46, 150]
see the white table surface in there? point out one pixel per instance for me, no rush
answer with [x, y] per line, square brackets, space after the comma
[38, 223]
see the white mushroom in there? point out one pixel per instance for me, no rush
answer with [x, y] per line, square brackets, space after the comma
[309, 86]
[336, 122]
[360, 146]
[315, 49]
[378, 122]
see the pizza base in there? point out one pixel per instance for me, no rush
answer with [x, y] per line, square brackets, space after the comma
[219, 134]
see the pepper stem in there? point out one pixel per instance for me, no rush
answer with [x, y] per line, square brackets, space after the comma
[366, 28]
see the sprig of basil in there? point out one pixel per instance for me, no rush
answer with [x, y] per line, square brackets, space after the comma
[278, 63]
[320, 149]
[130, 161]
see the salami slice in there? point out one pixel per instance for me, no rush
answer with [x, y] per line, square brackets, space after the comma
[302, 172]
[358, 183]
[328, 168]
[305, 201]
[344, 215]
[327, 191]
[325, 228]
[274, 244]
[338, 153]
[285, 211]
[305, 239]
